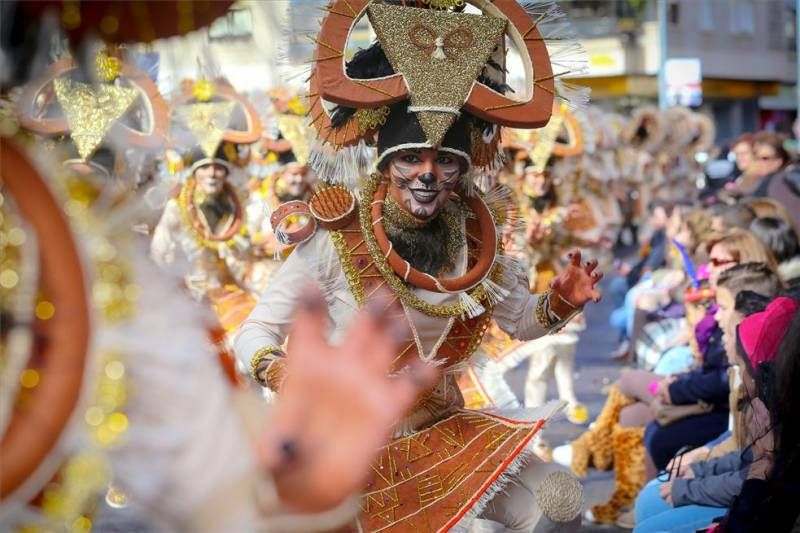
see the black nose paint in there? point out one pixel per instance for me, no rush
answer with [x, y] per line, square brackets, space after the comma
[428, 178]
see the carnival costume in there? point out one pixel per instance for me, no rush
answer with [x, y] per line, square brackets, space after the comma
[432, 81]
[206, 235]
[104, 365]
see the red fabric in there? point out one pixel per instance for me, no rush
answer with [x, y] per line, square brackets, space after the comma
[140, 21]
[761, 333]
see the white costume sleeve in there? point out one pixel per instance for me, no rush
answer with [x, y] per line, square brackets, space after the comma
[162, 247]
[516, 314]
[268, 323]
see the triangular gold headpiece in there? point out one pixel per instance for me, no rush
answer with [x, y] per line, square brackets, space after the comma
[208, 122]
[91, 110]
[440, 54]
[294, 129]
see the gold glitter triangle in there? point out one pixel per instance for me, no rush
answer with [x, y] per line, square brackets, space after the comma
[546, 141]
[440, 54]
[91, 110]
[293, 129]
[435, 125]
[207, 121]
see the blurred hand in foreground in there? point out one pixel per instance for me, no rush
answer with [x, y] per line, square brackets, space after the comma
[337, 405]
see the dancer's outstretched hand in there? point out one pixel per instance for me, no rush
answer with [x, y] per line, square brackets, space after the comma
[337, 405]
[576, 285]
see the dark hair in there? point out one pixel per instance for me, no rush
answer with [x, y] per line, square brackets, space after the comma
[663, 204]
[783, 402]
[756, 277]
[776, 235]
[737, 216]
[749, 302]
[774, 141]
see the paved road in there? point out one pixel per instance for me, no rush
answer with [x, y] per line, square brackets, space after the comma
[594, 371]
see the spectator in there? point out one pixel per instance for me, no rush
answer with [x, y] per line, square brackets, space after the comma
[769, 495]
[769, 158]
[725, 217]
[781, 240]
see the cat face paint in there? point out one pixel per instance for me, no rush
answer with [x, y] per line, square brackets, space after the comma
[422, 180]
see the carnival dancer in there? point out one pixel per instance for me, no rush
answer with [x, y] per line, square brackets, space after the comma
[204, 231]
[284, 156]
[419, 229]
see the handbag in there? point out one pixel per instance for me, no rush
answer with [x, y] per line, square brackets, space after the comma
[666, 414]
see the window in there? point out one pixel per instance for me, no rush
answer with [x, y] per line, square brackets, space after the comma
[237, 24]
[705, 15]
[741, 17]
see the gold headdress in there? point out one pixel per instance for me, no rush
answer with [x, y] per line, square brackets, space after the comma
[435, 78]
[562, 137]
[206, 113]
[124, 109]
[290, 143]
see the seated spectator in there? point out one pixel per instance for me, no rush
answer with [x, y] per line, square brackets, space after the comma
[693, 494]
[653, 256]
[616, 437]
[781, 239]
[769, 495]
[769, 158]
[725, 217]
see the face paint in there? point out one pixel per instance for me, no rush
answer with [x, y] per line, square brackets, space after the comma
[211, 178]
[295, 180]
[422, 180]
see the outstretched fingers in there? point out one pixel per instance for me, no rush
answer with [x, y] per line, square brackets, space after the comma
[308, 325]
[575, 257]
[377, 333]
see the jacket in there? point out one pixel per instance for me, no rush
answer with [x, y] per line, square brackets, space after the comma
[709, 383]
[716, 482]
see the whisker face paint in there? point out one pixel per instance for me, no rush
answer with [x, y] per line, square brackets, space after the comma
[423, 180]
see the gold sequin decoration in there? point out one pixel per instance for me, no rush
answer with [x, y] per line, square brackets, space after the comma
[91, 111]
[204, 90]
[371, 118]
[350, 271]
[545, 141]
[439, 53]
[444, 4]
[107, 67]
[294, 129]
[207, 122]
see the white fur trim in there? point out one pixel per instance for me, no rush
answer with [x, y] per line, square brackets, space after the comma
[435, 108]
[208, 161]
